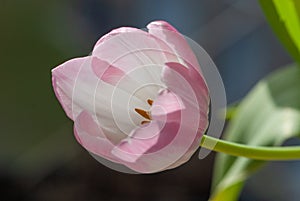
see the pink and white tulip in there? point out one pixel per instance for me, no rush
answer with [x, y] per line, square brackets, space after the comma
[139, 99]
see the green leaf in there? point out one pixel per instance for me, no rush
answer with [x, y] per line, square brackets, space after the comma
[267, 116]
[284, 17]
[230, 111]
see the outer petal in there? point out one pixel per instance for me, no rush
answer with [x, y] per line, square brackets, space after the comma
[186, 83]
[107, 72]
[126, 81]
[78, 88]
[89, 134]
[63, 81]
[175, 40]
[130, 49]
[192, 77]
[139, 142]
[148, 154]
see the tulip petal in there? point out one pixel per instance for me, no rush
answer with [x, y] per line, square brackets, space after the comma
[167, 106]
[175, 40]
[107, 72]
[188, 83]
[78, 88]
[63, 81]
[140, 140]
[122, 80]
[130, 49]
[193, 78]
[147, 150]
[92, 137]
[174, 74]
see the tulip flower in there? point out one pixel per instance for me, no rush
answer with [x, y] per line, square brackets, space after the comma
[139, 99]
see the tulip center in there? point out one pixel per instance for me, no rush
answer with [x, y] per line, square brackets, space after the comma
[145, 114]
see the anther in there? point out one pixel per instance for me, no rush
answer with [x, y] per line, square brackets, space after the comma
[150, 102]
[145, 122]
[143, 113]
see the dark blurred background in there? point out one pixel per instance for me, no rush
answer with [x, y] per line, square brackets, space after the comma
[39, 157]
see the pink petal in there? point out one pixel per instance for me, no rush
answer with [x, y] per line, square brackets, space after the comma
[167, 106]
[117, 77]
[130, 49]
[190, 76]
[190, 86]
[78, 88]
[91, 137]
[175, 40]
[149, 149]
[139, 142]
[188, 83]
[63, 81]
[107, 72]
[85, 122]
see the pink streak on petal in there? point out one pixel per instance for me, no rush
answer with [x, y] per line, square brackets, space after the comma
[194, 78]
[172, 74]
[132, 48]
[130, 149]
[86, 122]
[175, 40]
[197, 83]
[91, 137]
[63, 81]
[148, 155]
[167, 106]
[107, 72]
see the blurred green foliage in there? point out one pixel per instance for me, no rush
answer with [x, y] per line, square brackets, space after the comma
[284, 17]
[268, 115]
[35, 133]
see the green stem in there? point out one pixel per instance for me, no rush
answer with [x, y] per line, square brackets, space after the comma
[253, 152]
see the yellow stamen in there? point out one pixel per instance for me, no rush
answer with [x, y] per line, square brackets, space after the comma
[143, 113]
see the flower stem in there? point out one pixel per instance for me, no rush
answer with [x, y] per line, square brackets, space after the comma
[253, 152]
